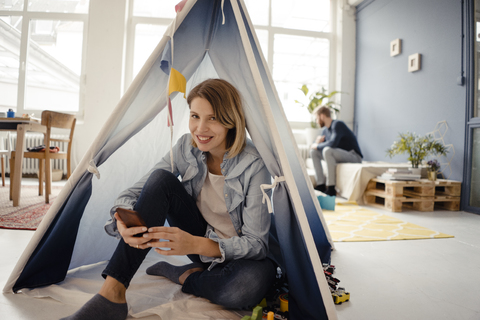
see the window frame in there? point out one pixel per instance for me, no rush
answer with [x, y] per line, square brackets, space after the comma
[472, 122]
[27, 17]
[272, 31]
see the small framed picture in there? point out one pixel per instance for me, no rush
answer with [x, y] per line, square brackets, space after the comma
[395, 47]
[414, 62]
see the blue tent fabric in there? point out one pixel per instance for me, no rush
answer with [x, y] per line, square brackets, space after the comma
[319, 235]
[48, 264]
[303, 300]
[201, 36]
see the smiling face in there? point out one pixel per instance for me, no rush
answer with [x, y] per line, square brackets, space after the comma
[209, 134]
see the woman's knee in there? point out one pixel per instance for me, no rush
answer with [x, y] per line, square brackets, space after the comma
[159, 178]
[158, 184]
[161, 174]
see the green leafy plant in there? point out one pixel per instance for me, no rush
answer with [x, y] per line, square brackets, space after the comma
[319, 98]
[417, 147]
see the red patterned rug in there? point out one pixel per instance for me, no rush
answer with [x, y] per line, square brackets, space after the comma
[30, 212]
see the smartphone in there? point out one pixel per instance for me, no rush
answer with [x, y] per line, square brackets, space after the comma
[131, 218]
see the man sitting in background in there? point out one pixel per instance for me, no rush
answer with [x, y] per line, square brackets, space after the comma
[337, 144]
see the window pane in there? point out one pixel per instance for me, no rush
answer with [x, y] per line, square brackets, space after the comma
[475, 179]
[10, 36]
[258, 11]
[158, 9]
[262, 36]
[54, 65]
[11, 5]
[147, 37]
[298, 61]
[65, 6]
[311, 15]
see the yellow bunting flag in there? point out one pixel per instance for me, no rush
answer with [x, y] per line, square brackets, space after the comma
[177, 83]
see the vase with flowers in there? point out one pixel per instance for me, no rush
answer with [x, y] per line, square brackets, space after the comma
[417, 147]
[433, 166]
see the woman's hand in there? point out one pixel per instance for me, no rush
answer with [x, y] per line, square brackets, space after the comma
[128, 234]
[178, 241]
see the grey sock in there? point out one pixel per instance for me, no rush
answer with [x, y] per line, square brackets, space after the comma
[171, 272]
[100, 308]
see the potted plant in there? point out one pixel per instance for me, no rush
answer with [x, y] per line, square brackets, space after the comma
[433, 166]
[315, 99]
[417, 147]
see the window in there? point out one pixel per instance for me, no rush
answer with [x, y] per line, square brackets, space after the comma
[42, 54]
[54, 65]
[153, 8]
[295, 41]
[147, 36]
[471, 175]
[148, 23]
[476, 112]
[10, 34]
[310, 15]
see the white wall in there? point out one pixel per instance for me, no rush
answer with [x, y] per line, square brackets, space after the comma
[104, 79]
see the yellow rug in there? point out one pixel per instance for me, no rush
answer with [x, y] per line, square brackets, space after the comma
[350, 222]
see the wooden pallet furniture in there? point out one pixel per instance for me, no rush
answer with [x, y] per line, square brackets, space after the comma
[419, 195]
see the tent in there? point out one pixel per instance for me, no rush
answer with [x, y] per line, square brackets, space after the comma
[206, 39]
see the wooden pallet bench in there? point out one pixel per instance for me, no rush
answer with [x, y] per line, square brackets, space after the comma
[419, 195]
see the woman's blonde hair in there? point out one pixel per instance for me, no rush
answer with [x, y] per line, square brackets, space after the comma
[228, 109]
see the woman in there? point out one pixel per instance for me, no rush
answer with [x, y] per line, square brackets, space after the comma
[215, 213]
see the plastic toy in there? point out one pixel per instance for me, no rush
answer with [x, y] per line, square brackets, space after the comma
[339, 296]
[283, 302]
[275, 304]
[257, 314]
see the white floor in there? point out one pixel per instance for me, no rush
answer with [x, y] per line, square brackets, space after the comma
[396, 280]
[414, 279]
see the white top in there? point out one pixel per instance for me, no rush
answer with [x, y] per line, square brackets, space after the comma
[211, 203]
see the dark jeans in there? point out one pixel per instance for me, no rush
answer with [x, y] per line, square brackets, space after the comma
[234, 284]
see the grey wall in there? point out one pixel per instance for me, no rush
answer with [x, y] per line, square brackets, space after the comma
[388, 98]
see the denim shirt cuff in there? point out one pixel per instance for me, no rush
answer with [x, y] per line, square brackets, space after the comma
[111, 225]
[213, 260]
[210, 234]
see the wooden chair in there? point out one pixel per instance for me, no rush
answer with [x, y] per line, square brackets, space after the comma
[4, 153]
[50, 119]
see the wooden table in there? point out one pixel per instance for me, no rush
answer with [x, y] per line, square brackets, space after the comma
[21, 126]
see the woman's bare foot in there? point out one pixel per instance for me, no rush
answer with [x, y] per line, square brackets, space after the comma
[185, 275]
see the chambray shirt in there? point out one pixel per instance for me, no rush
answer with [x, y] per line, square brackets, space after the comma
[243, 173]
